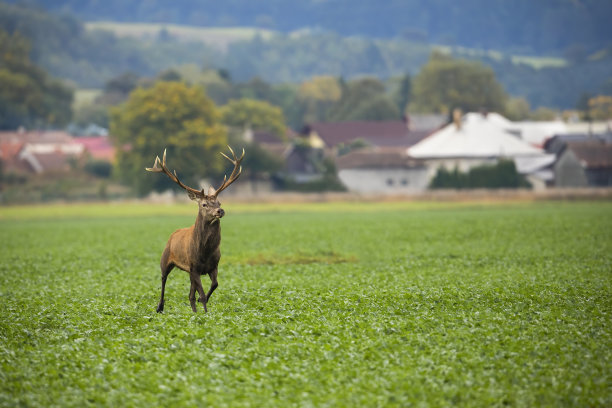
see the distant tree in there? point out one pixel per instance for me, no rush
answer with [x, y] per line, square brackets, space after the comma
[169, 115]
[318, 95]
[123, 84]
[258, 115]
[225, 74]
[404, 93]
[98, 168]
[255, 88]
[517, 109]
[364, 99]
[28, 96]
[600, 107]
[544, 113]
[445, 83]
[380, 107]
[91, 113]
[169, 75]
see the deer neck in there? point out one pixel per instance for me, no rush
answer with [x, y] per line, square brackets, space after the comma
[206, 236]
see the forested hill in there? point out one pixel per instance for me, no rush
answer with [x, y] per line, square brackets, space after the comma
[525, 26]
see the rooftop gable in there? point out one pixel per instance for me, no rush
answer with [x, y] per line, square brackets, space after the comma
[376, 133]
[477, 135]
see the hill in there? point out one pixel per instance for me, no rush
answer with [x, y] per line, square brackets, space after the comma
[516, 26]
[218, 38]
[89, 54]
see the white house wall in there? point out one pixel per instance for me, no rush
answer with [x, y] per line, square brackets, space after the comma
[385, 181]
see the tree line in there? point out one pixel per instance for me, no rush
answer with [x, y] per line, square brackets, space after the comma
[523, 25]
[62, 46]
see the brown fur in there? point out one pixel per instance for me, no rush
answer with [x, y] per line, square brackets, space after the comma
[196, 249]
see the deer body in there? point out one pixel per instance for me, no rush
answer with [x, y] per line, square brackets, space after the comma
[196, 249]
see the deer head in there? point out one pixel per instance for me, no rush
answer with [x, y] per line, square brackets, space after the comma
[208, 204]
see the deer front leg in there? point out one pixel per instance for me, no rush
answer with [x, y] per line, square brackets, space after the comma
[166, 268]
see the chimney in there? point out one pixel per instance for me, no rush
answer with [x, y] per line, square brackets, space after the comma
[457, 118]
[406, 120]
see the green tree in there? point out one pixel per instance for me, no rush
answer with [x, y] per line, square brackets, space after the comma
[445, 83]
[404, 93]
[517, 109]
[364, 99]
[318, 95]
[169, 115]
[28, 96]
[258, 115]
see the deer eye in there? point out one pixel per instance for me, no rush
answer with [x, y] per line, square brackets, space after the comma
[204, 205]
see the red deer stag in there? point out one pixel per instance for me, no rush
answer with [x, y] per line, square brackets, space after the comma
[196, 249]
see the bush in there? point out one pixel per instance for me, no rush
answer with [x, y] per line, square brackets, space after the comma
[500, 175]
[99, 168]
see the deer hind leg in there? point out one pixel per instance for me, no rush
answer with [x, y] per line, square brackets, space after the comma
[195, 280]
[165, 271]
[213, 284]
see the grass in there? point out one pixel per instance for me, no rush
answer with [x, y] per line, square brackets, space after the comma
[395, 304]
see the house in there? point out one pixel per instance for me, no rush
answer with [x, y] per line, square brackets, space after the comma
[333, 136]
[557, 143]
[481, 138]
[268, 141]
[359, 146]
[97, 147]
[536, 133]
[382, 170]
[38, 151]
[582, 160]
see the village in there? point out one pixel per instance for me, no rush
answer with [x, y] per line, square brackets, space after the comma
[398, 157]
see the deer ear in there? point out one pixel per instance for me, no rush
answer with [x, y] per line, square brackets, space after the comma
[192, 195]
[211, 191]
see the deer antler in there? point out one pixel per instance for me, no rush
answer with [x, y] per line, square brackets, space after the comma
[163, 169]
[235, 173]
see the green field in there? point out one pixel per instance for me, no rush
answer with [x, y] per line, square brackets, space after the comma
[396, 304]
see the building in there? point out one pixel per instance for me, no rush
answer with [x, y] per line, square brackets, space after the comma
[98, 148]
[582, 160]
[38, 152]
[478, 139]
[382, 171]
[334, 137]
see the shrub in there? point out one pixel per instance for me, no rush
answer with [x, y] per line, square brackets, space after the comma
[99, 168]
[500, 175]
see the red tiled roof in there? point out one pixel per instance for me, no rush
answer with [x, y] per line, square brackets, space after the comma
[381, 133]
[98, 147]
[9, 151]
[36, 136]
